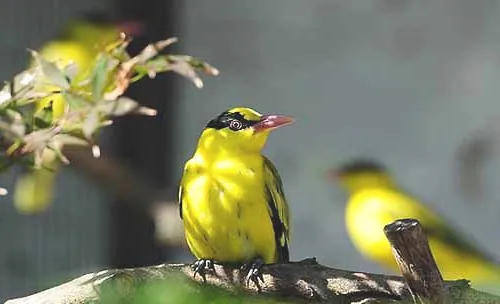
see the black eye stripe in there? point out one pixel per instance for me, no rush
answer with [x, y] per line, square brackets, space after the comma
[233, 120]
[361, 166]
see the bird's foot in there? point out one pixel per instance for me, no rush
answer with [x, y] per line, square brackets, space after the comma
[253, 267]
[202, 267]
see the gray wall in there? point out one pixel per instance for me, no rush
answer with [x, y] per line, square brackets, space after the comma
[403, 81]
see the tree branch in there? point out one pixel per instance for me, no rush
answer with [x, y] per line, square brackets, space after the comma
[114, 176]
[414, 258]
[132, 190]
[304, 280]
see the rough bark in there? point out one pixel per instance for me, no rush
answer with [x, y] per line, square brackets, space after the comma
[296, 281]
[412, 253]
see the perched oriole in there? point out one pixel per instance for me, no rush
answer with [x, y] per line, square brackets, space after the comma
[231, 196]
[376, 200]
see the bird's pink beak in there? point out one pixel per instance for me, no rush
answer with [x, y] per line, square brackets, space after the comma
[333, 175]
[272, 121]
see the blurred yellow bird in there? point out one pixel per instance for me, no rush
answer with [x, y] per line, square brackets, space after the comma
[376, 200]
[80, 42]
[231, 196]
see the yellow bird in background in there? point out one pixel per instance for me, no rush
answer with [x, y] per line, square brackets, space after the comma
[376, 200]
[231, 196]
[80, 42]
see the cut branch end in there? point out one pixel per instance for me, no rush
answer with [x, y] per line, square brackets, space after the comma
[414, 258]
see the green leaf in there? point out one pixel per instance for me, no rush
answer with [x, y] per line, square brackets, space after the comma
[16, 145]
[5, 96]
[99, 77]
[67, 139]
[43, 117]
[38, 139]
[118, 49]
[17, 125]
[183, 65]
[25, 81]
[75, 101]
[38, 158]
[90, 124]
[36, 143]
[71, 70]
[12, 125]
[52, 72]
[123, 105]
[59, 155]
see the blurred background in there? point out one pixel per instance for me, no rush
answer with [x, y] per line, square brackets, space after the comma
[406, 82]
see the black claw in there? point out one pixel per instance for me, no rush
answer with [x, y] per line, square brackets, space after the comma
[254, 274]
[202, 267]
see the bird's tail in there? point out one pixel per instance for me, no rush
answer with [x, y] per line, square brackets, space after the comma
[487, 277]
[34, 190]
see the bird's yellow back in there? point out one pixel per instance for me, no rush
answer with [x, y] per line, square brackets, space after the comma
[81, 44]
[369, 209]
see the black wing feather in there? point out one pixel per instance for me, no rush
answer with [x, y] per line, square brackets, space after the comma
[278, 210]
[180, 202]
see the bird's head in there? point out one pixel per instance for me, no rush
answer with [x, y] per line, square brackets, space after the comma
[361, 173]
[240, 130]
[96, 27]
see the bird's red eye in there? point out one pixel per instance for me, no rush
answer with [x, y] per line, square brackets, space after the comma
[235, 125]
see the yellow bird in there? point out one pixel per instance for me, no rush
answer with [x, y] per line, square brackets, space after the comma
[80, 42]
[376, 200]
[231, 196]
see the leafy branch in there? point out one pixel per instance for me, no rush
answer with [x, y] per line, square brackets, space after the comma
[29, 134]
